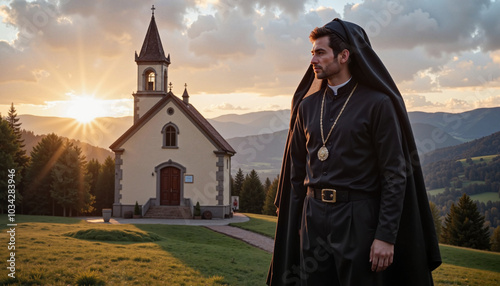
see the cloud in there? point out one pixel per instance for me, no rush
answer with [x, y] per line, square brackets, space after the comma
[248, 46]
[13, 69]
[428, 36]
[204, 23]
[228, 35]
[428, 23]
[223, 106]
[490, 24]
[419, 102]
[415, 102]
[492, 101]
[293, 7]
[470, 70]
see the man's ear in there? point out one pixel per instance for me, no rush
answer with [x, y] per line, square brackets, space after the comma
[344, 56]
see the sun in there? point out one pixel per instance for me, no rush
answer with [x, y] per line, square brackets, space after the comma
[85, 108]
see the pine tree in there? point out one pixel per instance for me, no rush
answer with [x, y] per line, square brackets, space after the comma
[252, 194]
[238, 183]
[14, 123]
[20, 157]
[436, 217]
[13, 120]
[495, 240]
[8, 149]
[70, 186]
[231, 185]
[269, 207]
[93, 169]
[105, 195]
[44, 156]
[464, 226]
[267, 184]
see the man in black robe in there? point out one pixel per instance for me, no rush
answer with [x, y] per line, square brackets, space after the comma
[353, 209]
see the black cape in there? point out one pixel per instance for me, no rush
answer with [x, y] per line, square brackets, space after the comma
[416, 251]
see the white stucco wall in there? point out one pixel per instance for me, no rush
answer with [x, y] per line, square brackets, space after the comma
[145, 103]
[143, 152]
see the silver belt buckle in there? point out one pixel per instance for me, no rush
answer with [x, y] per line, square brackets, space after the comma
[329, 195]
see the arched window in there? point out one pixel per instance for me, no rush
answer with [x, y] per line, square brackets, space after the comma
[170, 132]
[170, 137]
[150, 81]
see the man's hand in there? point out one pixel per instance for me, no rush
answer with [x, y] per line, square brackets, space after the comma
[381, 255]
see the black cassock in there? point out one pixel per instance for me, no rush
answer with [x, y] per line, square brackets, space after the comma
[416, 251]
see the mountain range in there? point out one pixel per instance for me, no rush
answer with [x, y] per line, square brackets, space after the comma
[259, 137]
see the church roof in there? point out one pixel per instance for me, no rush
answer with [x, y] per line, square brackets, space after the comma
[152, 49]
[191, 112]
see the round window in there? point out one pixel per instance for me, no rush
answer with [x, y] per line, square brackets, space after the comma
[170, 111]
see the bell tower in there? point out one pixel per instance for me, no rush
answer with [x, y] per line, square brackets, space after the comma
[152, 71]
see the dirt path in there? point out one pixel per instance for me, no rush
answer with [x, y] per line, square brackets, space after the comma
[252, 238]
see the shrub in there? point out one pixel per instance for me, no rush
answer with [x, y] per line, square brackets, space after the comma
[197, 209]
[137, 209]
[114, 235]
[88, 278]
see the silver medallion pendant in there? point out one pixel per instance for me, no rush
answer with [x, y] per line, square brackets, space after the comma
[323, 153]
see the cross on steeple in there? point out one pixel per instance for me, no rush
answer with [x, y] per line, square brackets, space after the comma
[170, 86]
[185, 95]
[153, 9]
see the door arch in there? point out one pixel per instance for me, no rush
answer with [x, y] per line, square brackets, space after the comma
[169, 184]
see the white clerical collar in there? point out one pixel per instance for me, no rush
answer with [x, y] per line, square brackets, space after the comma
[335, 88]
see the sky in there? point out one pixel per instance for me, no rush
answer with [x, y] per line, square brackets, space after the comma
[71, 58]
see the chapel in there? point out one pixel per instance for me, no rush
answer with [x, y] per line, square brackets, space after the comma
[171, 157]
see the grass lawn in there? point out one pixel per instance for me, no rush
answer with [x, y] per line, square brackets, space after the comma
[263, 224]
[49, 252]
[52, 251]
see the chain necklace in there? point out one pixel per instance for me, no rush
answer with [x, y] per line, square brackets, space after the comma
[323, 151]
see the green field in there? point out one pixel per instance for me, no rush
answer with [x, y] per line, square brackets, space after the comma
[64, 251]
[466, 183]
[476, 160]
[435, 191]
[485, 197]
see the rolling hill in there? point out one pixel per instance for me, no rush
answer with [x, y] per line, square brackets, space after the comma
[89, 151]
[259, 137]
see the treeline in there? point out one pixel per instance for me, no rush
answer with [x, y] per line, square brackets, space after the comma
[55, 179]
[488, 145]
[440, 174]
[452, 173]
[482, 171]
[456, 178]
[444, 200]
[255, 197]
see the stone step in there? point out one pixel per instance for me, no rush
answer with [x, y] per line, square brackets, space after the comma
[169, 212]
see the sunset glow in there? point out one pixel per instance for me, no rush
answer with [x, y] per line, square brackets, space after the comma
[52, 48]
[85, 109]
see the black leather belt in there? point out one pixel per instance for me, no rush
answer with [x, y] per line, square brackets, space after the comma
[331, 195]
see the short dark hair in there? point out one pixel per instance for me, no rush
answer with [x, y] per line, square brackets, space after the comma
[335, 42]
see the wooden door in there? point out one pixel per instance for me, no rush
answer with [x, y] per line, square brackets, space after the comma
[170, 186]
